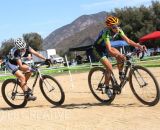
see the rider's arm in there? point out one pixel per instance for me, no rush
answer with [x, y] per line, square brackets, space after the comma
[18, 57]
[114, 52]
[132, 43]
[36, 53]
[29, 57]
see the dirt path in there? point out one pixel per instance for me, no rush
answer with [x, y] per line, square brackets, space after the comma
[81, 111]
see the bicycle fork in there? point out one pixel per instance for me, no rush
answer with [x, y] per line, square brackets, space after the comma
[140, 81]
[45, 83]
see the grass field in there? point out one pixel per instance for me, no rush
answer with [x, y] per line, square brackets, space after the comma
[55, 70]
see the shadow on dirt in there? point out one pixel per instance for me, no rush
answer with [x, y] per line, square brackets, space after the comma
[88, 105]
[80, 106]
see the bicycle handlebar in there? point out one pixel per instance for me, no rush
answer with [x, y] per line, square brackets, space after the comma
[38, 65]
[129, 55]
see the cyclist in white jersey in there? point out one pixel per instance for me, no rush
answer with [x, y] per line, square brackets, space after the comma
[18, 68]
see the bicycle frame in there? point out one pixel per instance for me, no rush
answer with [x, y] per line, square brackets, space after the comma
[118, 87]
[35, 81]
[128, 66]
[38, 75]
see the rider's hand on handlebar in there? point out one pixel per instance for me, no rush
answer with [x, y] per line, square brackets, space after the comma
[47, 61]
[143, 48]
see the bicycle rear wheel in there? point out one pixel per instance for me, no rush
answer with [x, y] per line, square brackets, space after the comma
[13, 94]
[96, 79]
[144, 85]
[52, 90]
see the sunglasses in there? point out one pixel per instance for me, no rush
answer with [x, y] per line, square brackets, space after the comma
[114, 27]
[23, 49]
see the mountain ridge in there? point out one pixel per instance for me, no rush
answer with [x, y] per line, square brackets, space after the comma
[81, 31]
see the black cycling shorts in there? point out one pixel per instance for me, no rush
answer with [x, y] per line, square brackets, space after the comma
[99, 52]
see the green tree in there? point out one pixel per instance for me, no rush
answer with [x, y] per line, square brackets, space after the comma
[137, 22]
[156, 12]
[6, 46]
[34, 40]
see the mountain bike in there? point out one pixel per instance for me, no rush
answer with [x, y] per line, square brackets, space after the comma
[142, 82]
[49, 86]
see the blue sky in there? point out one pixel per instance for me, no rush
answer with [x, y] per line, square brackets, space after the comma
[44, 16]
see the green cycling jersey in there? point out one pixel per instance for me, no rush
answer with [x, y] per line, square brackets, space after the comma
[107, 35]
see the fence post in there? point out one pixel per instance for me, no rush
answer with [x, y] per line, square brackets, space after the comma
[5, 70]
[90, 62]
[69, 71]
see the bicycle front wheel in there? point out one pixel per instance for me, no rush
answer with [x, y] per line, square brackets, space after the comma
[144, 85]
[52, 90]
[96, 81]
[13, 94]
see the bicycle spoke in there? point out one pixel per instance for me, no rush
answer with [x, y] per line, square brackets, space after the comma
[52, 88]
[138, 80]
[141, 77]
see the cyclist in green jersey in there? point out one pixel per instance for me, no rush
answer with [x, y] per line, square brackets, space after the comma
[102, 45]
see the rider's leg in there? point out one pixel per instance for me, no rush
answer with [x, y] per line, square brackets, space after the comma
[22, 79]
[24, 68]
[120, 63]
[27, 72]
[98, 53]
[108, 71]
[15, 71]
[28, 75]
[23, 85]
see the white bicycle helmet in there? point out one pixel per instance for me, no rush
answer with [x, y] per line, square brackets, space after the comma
[20, 43]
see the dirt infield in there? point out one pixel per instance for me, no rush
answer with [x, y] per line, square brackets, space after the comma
[81, 111]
